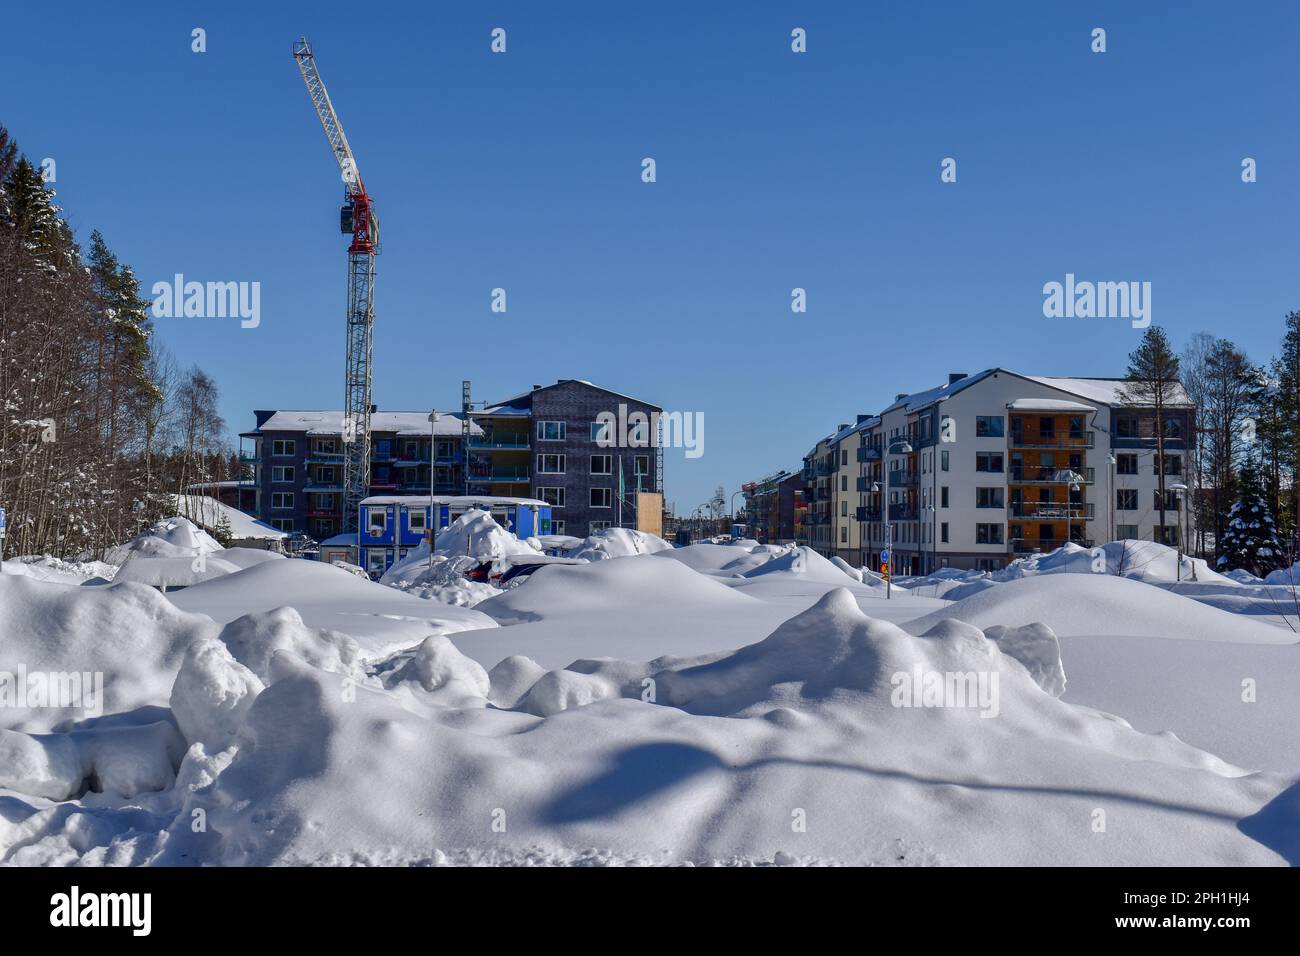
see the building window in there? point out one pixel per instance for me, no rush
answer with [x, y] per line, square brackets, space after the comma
[988, 498]
[844, 457]
[282, 500]
[377, 522]
[557, 526]
[844, 482]
[1171, 499]
[988, 534]
[551, 431]
[602, 497]
[416, 520]
[552, 496]
[844, 534]
[1126, 532]
[599, 526]
[550, 464]
[943, 461]
[943, 496]
[602, 464]
[1173, 464]
[988, 461]
[641, 465]
[282, 524]
[282, 473]
[943, 532]
[284, 447]
[1126, 464]
[1126, 499]
[988, 426]
[599, 431]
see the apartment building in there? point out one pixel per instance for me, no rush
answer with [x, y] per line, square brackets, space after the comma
[1000, 465]
[543, 444]
[293, 461]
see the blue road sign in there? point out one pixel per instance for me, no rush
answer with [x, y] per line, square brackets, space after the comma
[2, 519]
[884, 557]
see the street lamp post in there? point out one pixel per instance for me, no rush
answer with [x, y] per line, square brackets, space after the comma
[1180, 489]
[902, 447]
[432, 530]
[1110, 494]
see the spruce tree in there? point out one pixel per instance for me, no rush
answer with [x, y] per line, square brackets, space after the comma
[1250, 542]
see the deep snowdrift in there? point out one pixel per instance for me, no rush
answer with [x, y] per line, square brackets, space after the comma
[1102, 604]
[635, 760]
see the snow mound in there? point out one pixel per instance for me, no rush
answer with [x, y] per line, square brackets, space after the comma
[512, 678]
[474, 534]
[122, 761]
[247, 557]
[1138, 560]
[254, 639]
[173, 572]
[175, 537]
[442, 580]
[1285, 576]
[212, 694]
[806, 563]
[451, 678]
[130, 634]
[58, 571]
[1093, 604]
[619, 543]
[609, 585]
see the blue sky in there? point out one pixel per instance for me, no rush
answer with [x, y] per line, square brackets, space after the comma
[775, 171]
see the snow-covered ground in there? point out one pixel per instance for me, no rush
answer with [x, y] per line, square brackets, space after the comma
[720, 703]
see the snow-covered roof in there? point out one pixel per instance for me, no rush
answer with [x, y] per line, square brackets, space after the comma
[456, 501]
[1048, 405]
[348, 538]
[207, 512]
[918, 400]
[1108, 391]
[505, 405]
[321, 422]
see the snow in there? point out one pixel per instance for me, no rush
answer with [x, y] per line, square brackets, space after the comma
[618, 543]
[715, 704]
[208, 512]
[175, 537]
[174, 572]
[1048, 405]
[331, 423]
[46, 568]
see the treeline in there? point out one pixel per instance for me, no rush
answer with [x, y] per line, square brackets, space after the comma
[99, 426]
[1247, 454]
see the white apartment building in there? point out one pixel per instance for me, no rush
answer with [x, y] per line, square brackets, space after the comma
[1000, 465]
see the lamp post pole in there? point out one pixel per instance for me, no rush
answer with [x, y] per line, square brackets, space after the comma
[432, 530]
[1179, 489]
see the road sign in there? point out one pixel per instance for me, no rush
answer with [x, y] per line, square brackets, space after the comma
[2, 521]
[884, 557]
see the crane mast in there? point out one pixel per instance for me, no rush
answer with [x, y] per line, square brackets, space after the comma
[358, 218]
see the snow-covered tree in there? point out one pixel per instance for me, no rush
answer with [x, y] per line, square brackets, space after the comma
[1250, 541]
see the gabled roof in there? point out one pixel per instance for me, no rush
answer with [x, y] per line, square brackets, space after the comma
[509, 402]
[330, 422]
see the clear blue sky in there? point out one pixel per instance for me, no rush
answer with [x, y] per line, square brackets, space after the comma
[775, 170]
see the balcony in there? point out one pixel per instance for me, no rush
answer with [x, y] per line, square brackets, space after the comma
[500, 443]
[1038, 440]
[1053, 510]
[870, 513]
[1035, 475]
[824, 469]
[324, 512]
[864, 485]
[902, 478]
[1043, 545]
[902, 512]
[498, 475]
[867, 453]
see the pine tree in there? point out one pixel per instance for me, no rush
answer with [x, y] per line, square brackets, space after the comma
[1250, 542]
[222, 532]
[1152, 383]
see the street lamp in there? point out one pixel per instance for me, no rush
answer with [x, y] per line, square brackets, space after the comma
[1180, 489]
[432, 530]
[899, 447]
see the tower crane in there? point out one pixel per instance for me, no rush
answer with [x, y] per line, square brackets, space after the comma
[356, 217]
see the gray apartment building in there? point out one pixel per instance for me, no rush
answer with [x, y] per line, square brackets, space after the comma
[545, 443]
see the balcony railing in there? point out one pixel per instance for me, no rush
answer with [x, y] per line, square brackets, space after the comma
[1039, 440]
[824, 469]
[1035, 475]
[902, 512]
[1053, 510]
[869, 513]
[501, 442]
[867, 453]
[864, 485]
[902, 479]
[1043, 545]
